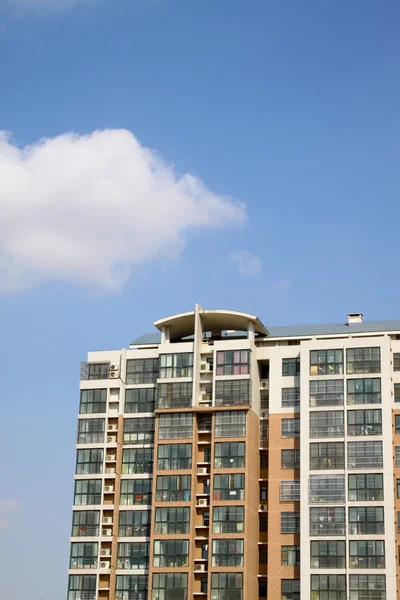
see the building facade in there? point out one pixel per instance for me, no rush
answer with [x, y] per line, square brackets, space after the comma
[220, 459]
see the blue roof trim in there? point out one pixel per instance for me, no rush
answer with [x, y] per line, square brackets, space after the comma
[302, 331]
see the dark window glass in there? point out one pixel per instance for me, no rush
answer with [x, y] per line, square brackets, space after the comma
[227, 553]
[290, 522]
[290, 397]
[87, 492]
[175, 425]
[142, 370]
[134, 523]
[176, 365]
[327, 424]
[290, 556]
[135, 491]
[229, 455]
[139, 400]
[90, 431]
[290, 367]
[174, 395]
[326, 362]
[172, 520]
[363, 360]
[328, 392]
[131, 587]
[327, 520]
[367, 554]
[139, 431]
[170, 586]
[82, 587]
[133, 555]
[233, 362]
[85, 523]
[290, 428]
[367, 587]
[173, 488]
[173, 457]
[364, 422]
[364, 455]
[228, 519]
[290, 459]
[229, 487]
[93, 401]
[171, 553]
[328, 554]
[327, 455]
[137, 460]
[366, 487]
[364, 391]
[364, 520]
[332, 587]
[83, 555]
[233, 393]
[290, 589]
[227, 586]
[230, 423]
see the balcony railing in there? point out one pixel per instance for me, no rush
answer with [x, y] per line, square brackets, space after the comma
[174, 402]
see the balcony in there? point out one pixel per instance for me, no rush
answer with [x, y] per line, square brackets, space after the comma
[174, 403]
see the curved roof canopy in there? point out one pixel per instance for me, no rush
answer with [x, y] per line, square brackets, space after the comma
[182, 325]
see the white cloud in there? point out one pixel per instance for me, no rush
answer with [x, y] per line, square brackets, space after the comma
[88, 209]
[7, 508]
[283, 285]
[246, 263]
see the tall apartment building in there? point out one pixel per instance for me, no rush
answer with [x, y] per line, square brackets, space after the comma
[220, 459]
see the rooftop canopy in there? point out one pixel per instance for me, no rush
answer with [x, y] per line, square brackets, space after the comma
[182, 325]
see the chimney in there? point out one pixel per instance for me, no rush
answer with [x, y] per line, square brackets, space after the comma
[354, 318]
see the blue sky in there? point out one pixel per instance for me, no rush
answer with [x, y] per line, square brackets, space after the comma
[251, 162]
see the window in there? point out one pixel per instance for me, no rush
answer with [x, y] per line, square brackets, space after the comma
[364, 455]
[141, 370]
[262, 589]
[226, 586]
[232, 392]
[139, 400]
[172, 520]
[176, 365]
[367, 554]
[173, 488]
[230, 424]
[290, 367]
[327, 424]
[290, 522]
[172, 457]
[134, 523]
[366, 520]
[233, 362]
[87, 492]
[397, 423]
[364, 422]
[328, 586]
[95, 371]
[290, 556]
[229, 455]
[83, 555]
[290, 397]
[290, 589]
[368, 487]
[328, 392]
[290, 491]
[290, 428]
[263, 523]
[326, 362]
[264, 461]
[263, 555]
[328, 555]
[263, 492]
[327, 520]
[171, 553]
[89, 461]
[135, 491]
[227, 553]
[264, 433]
[327, 488]
[175, 425]
[131, 587]
[170, 586]
[327, 455]
[228, 519]
[137, 460]
[85, 523]
[90, 431]
[204, 423]
[363, 360]
[229, 487]
[82, 587]
[139, 431]
[93, 401]
[290, 459]
[364, 391]
[174, 395]
[133, 555]
[396, 362]
[397, 392]
[398, 487]
[367, 587]
[397, 456]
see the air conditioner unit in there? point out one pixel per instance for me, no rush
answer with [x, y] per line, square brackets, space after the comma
[261, 507]
[112, 427]
[105, 564]
[199, 567]
[114, 375]
[202, 502]
[106, 552]
[204, 366]
[264, 384]
[108, 488]
[106, 532]
[202, 471]
[263, 415]
[111, 439]
[107, 520]
[114, 367]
